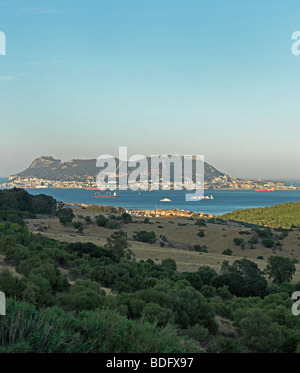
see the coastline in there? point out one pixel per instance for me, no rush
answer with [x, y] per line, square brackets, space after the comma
[4, 186]
[162, 213]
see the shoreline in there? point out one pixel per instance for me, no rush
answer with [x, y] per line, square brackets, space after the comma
[3, 186]
[155, 213]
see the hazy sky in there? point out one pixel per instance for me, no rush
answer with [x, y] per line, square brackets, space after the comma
[211, 77]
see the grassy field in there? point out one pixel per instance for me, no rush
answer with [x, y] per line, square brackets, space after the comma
[181, 235]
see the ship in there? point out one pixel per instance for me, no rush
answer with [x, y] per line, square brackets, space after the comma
[107, 195]
[199, 198]
[207, 197]
[264, 190]
[165, 200]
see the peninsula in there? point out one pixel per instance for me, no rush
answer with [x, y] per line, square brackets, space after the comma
[47, 172]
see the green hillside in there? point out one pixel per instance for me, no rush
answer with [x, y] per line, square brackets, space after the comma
[284, 215]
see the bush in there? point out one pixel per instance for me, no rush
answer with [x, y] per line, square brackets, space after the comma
[78, 225]
[253, 240]
[198, 333]
[126, 218]
[101, 220]
[227, 252]
[144, 236]
[268, 242]
[200, 223]
[238, 241]
[201, 233]
[200, 249]
[65, 219]
[225, 345]
[259, 333]
[52, 330]
[169, 264]
[88, 219]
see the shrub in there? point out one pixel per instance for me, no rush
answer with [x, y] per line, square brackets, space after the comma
[227, 252]
[169, 264]
[268, 242]
[78, 225]
[65, 219]
[101, 220]
[201, 233]
[200, 249]
[198, 333]
[144, 236]
[238, 241]
[225, 345]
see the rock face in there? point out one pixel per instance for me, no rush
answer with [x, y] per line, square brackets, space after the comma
[43, 162]
[47, 168]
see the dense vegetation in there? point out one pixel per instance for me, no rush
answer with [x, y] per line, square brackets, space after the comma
[19, 199]
[79, 297]
[285, 215]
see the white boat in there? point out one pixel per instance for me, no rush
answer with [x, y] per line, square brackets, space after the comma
[206, 197]
[165, 200]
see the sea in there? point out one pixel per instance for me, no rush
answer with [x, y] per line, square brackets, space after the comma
[223, 201]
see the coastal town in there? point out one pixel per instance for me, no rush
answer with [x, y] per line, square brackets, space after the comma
[168, 213]
[219, 182]
[47, 172]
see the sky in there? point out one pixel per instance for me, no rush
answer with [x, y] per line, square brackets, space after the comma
[82, 78]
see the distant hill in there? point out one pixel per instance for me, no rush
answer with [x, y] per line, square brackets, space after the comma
[85, 170]
[284, 215]
[46, 167]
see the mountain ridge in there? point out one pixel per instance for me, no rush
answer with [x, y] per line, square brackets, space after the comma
[49, 169]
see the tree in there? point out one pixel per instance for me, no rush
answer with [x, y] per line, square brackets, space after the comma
[65, 219]
[255, 283]
[225, 345]
[227, 252]
[268, 242]
[88, 219]
[118, 244]
[126, 217]
[83, 295]
[145, 236]
[198, 332]
[280, 269]
[239, 241]
[170, 264]
[65, 211]
[201, 233]
[101, 220]
[201, 249]
[78, 225]
[260, 334]
[234, 281]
